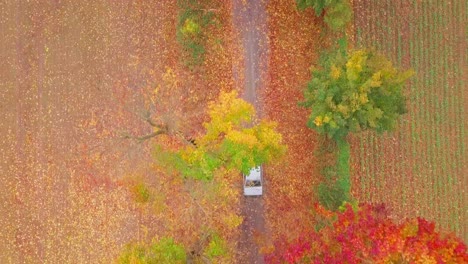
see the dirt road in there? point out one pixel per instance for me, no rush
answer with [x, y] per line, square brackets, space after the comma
[249, 18]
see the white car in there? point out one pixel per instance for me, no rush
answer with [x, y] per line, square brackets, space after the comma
[253, 182]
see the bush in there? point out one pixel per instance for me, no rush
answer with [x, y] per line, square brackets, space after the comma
[342, 165]
[338, 15]
[337, 12]
[331, 195]
[355, 92]
[164, 251]
[336, 185]
[192, 22]
[334, 190]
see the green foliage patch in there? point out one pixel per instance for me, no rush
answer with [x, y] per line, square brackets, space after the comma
[337, 16]
[354, 92]
[216, 247]
[163, 251]
[337, 12]
[192, 23]
[335, 188]
[342, 166]
[200, 168]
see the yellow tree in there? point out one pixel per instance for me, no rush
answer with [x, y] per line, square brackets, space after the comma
[232, 140]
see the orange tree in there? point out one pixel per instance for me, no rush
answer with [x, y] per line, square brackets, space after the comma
[366, 234]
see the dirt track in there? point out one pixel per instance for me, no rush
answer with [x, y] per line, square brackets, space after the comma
[249, 17]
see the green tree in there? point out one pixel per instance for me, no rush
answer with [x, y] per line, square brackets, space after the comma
[230, 141]
[350, 93]
[337, 12]
[354, 92]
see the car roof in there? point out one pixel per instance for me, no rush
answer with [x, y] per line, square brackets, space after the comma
[254, 174]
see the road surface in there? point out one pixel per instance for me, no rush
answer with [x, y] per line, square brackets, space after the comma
[249, 18]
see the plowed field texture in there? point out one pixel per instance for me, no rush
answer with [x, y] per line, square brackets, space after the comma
[421, 169]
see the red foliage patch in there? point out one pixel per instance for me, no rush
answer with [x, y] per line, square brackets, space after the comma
[368, 235]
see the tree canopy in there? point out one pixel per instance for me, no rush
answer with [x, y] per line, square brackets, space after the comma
[231, 140]
[337, 12]
[354, 92]
[367, 234]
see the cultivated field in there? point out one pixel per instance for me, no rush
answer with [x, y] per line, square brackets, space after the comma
[421, 169]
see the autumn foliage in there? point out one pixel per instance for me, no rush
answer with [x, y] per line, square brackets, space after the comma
[337, 13]
[355, 91]
[290, 182]
[231, 141]
[366, 234]
[163, 251]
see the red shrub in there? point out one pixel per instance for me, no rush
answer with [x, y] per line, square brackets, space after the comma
[367, 235]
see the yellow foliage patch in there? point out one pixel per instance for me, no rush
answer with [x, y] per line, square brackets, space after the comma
[246, 137]
[190, 27]
[355, 64]
[227, 111]
[232, 220]
[335, 72]
[376, 79]
[318, 121]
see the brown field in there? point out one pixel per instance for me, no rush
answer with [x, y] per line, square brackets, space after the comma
[74, 79]
[421, 169]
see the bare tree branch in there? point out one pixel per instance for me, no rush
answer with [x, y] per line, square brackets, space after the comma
[188, 141]
[145, 137]
[147, 117]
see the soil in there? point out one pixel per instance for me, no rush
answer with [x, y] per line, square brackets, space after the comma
[418, 170]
